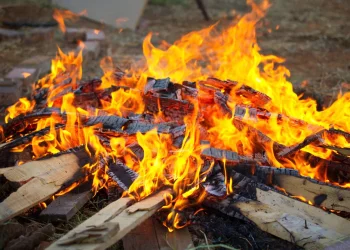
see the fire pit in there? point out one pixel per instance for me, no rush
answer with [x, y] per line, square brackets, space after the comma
[208, 123]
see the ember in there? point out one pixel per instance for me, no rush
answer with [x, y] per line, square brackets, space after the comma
[208, 120]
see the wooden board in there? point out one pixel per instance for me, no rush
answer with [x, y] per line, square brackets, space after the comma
[178, 239]
[331, 197]
[41, 167]
[151, 234]
[4, 170]
[287, 226]
[304, 210]
[114, 215]
[142, 237]
[64, 207]
[60, 170]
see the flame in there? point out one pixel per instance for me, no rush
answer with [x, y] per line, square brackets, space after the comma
[96, 31]
[61, 15]
[23, 106]
[232, 53]
[26, 74]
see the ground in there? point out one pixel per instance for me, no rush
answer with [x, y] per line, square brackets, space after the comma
[313, 36]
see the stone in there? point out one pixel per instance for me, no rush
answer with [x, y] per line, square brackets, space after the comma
[24, 77]
[10, 92]
[39, 35]
[41, 63]
[6, 34]
[95, 35]
[73, 35]
[91, 50]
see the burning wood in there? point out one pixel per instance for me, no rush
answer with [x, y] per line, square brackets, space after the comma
[274, 162]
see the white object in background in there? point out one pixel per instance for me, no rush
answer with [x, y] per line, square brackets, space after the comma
[117, 13]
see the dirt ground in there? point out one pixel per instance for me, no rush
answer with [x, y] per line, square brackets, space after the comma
[313, 36]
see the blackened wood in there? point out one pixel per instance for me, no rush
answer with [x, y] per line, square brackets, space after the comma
[19, 123]
[221, 100]
[170, 107]
[121, 174]
[137, 150]
[108, 122]
[159, 85]
[212, 85]
[318, 192]
[27, 138]
[230, 157]
[64, 207]
[288, 151]
[225, 206]
[134, 126]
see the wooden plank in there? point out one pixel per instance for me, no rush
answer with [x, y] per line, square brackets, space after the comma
[4, 170]
[115, 214]
[151, 234]
[288, 227]
[303, 210]
[64, 207]
[322, 195]
[42, 167]
[342, 245]
[178, 239]
[142, 237]
[62, 171]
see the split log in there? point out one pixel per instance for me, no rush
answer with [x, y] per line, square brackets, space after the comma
[282, 224]
[42, 178]
[303, 210]
[110, 224]
[319, 193]
[247, 186]
[287, 226]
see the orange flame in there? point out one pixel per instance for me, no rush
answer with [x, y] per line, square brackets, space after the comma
[61, 15]
[229, 54]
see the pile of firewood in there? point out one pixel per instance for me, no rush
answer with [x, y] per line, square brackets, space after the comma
[299, 209]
